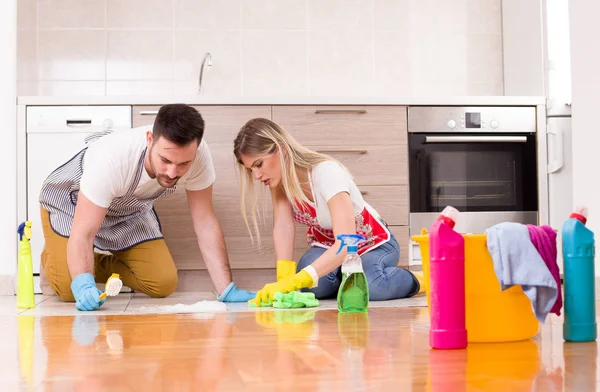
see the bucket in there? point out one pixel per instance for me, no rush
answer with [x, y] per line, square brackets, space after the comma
[492, 315]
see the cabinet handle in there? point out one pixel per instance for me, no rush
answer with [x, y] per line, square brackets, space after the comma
[340, 111]
[361, 152]
[74, 123]
[363, 192]
[148, 112]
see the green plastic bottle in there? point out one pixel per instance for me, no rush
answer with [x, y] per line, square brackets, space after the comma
[353, 294]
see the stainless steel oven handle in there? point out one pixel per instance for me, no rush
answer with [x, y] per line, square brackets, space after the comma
[475, 139]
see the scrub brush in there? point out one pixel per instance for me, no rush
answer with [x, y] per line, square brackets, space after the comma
[113, 286]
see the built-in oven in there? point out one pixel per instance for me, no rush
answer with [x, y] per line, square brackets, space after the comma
[480, 160]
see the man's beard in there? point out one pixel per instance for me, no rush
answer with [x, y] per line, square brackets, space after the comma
[162, 179]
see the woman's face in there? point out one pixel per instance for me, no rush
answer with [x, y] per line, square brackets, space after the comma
[265, 168]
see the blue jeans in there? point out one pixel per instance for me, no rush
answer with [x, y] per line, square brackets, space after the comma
[386, 280]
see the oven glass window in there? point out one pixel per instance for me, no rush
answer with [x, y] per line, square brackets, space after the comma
[473, 176]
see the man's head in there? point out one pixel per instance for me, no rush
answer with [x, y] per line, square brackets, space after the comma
[173, 142]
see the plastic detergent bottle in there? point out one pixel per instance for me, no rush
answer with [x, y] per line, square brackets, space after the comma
[447, 283]
[353, 294]
[25, 291]
[580, 293]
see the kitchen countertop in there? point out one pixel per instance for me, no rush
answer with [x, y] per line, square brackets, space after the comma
[306, 100]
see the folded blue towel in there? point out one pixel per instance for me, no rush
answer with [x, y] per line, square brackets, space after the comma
[517, 261]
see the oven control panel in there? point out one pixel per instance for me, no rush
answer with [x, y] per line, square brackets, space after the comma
[521, 119]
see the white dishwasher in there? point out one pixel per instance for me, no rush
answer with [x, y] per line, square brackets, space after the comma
[54, 135]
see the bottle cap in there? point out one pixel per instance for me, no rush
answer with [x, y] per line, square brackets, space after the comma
[581, 213]
[449, 216]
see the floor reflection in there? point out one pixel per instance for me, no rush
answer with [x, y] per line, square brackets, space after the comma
[286, 350]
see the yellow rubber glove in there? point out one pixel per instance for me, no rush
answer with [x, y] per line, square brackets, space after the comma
[291, 283]
[285, 268]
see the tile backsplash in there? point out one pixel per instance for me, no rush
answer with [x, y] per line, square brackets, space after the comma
[260, 47]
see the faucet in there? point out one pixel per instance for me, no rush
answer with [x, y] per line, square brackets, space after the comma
[208, 61]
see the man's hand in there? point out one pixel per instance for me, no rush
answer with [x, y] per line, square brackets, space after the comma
[87, 295]
[292, 283]
[233, 294]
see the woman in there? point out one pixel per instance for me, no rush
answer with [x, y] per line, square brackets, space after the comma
[318, 191]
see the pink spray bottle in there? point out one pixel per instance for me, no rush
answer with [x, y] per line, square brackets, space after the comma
[447, 283]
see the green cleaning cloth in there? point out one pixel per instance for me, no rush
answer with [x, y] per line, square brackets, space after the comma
[295, 299]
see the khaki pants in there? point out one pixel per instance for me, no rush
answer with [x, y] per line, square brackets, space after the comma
[147, 267]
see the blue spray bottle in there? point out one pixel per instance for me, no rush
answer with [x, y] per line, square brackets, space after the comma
[579, 277]
[353, 294]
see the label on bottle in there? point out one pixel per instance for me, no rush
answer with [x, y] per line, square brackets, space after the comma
[352, 264]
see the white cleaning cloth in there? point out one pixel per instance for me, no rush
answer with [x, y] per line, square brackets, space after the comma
[198, 307]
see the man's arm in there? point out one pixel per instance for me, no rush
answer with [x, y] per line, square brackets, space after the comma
[210, 237]
[80, 247]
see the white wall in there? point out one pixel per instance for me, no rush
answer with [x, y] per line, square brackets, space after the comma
[585, 90]
[8, 157]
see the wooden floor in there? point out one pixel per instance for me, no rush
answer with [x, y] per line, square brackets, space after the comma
[384, 350]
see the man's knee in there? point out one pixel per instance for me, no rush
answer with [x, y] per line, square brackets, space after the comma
[63, 291]
[162, 286]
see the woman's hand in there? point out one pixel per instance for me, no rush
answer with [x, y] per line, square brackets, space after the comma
[295, 282]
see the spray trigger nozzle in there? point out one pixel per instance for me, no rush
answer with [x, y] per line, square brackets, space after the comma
[350, 240]
[24, 230]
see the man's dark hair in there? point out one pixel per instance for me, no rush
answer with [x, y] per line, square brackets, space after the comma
[178, 123]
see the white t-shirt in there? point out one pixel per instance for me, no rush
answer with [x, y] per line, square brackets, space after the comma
[111, 162]
[327, 180]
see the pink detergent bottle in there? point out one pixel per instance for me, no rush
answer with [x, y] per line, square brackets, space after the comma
[447, 283]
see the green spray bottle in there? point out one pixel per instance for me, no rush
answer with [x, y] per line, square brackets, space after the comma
[353, 294]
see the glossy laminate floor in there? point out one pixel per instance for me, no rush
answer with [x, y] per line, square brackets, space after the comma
[294, 350]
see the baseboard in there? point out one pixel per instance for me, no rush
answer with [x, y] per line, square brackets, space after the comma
[7, 285]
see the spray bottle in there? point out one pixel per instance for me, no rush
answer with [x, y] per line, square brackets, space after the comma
[353, 294]
[25, 268]
[580, 292]
[447, 283]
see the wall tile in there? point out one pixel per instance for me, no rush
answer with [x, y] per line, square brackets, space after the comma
[340, 15]
[485, 89]
[66, 88]
[208, 14]
[139, 14]
[484, 58]
[274, 14]
[27, 14]
[72, 14]
[391, 14]
[484, 16]
[340, 63]
[392, 67]
[274, 63]
[27, 88]
[224, 77]
[138, 88]
[27, 55]
[139, 55]
[71, 55]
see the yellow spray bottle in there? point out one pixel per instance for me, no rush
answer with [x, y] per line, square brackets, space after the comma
[25, 268]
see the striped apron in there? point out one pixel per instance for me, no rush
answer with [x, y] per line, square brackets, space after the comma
[129, 221]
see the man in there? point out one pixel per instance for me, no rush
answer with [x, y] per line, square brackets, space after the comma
[104, 196]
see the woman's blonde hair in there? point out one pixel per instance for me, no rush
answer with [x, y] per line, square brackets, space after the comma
[261, 136]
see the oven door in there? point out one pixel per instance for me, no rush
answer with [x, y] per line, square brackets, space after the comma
[489, 177]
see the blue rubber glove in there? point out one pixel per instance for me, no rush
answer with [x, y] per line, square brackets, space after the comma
[233, 294]
[87, 295]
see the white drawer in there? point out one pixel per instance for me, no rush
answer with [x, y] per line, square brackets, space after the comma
[68, 119]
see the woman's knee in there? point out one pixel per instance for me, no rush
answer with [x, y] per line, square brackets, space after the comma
[309, 257]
